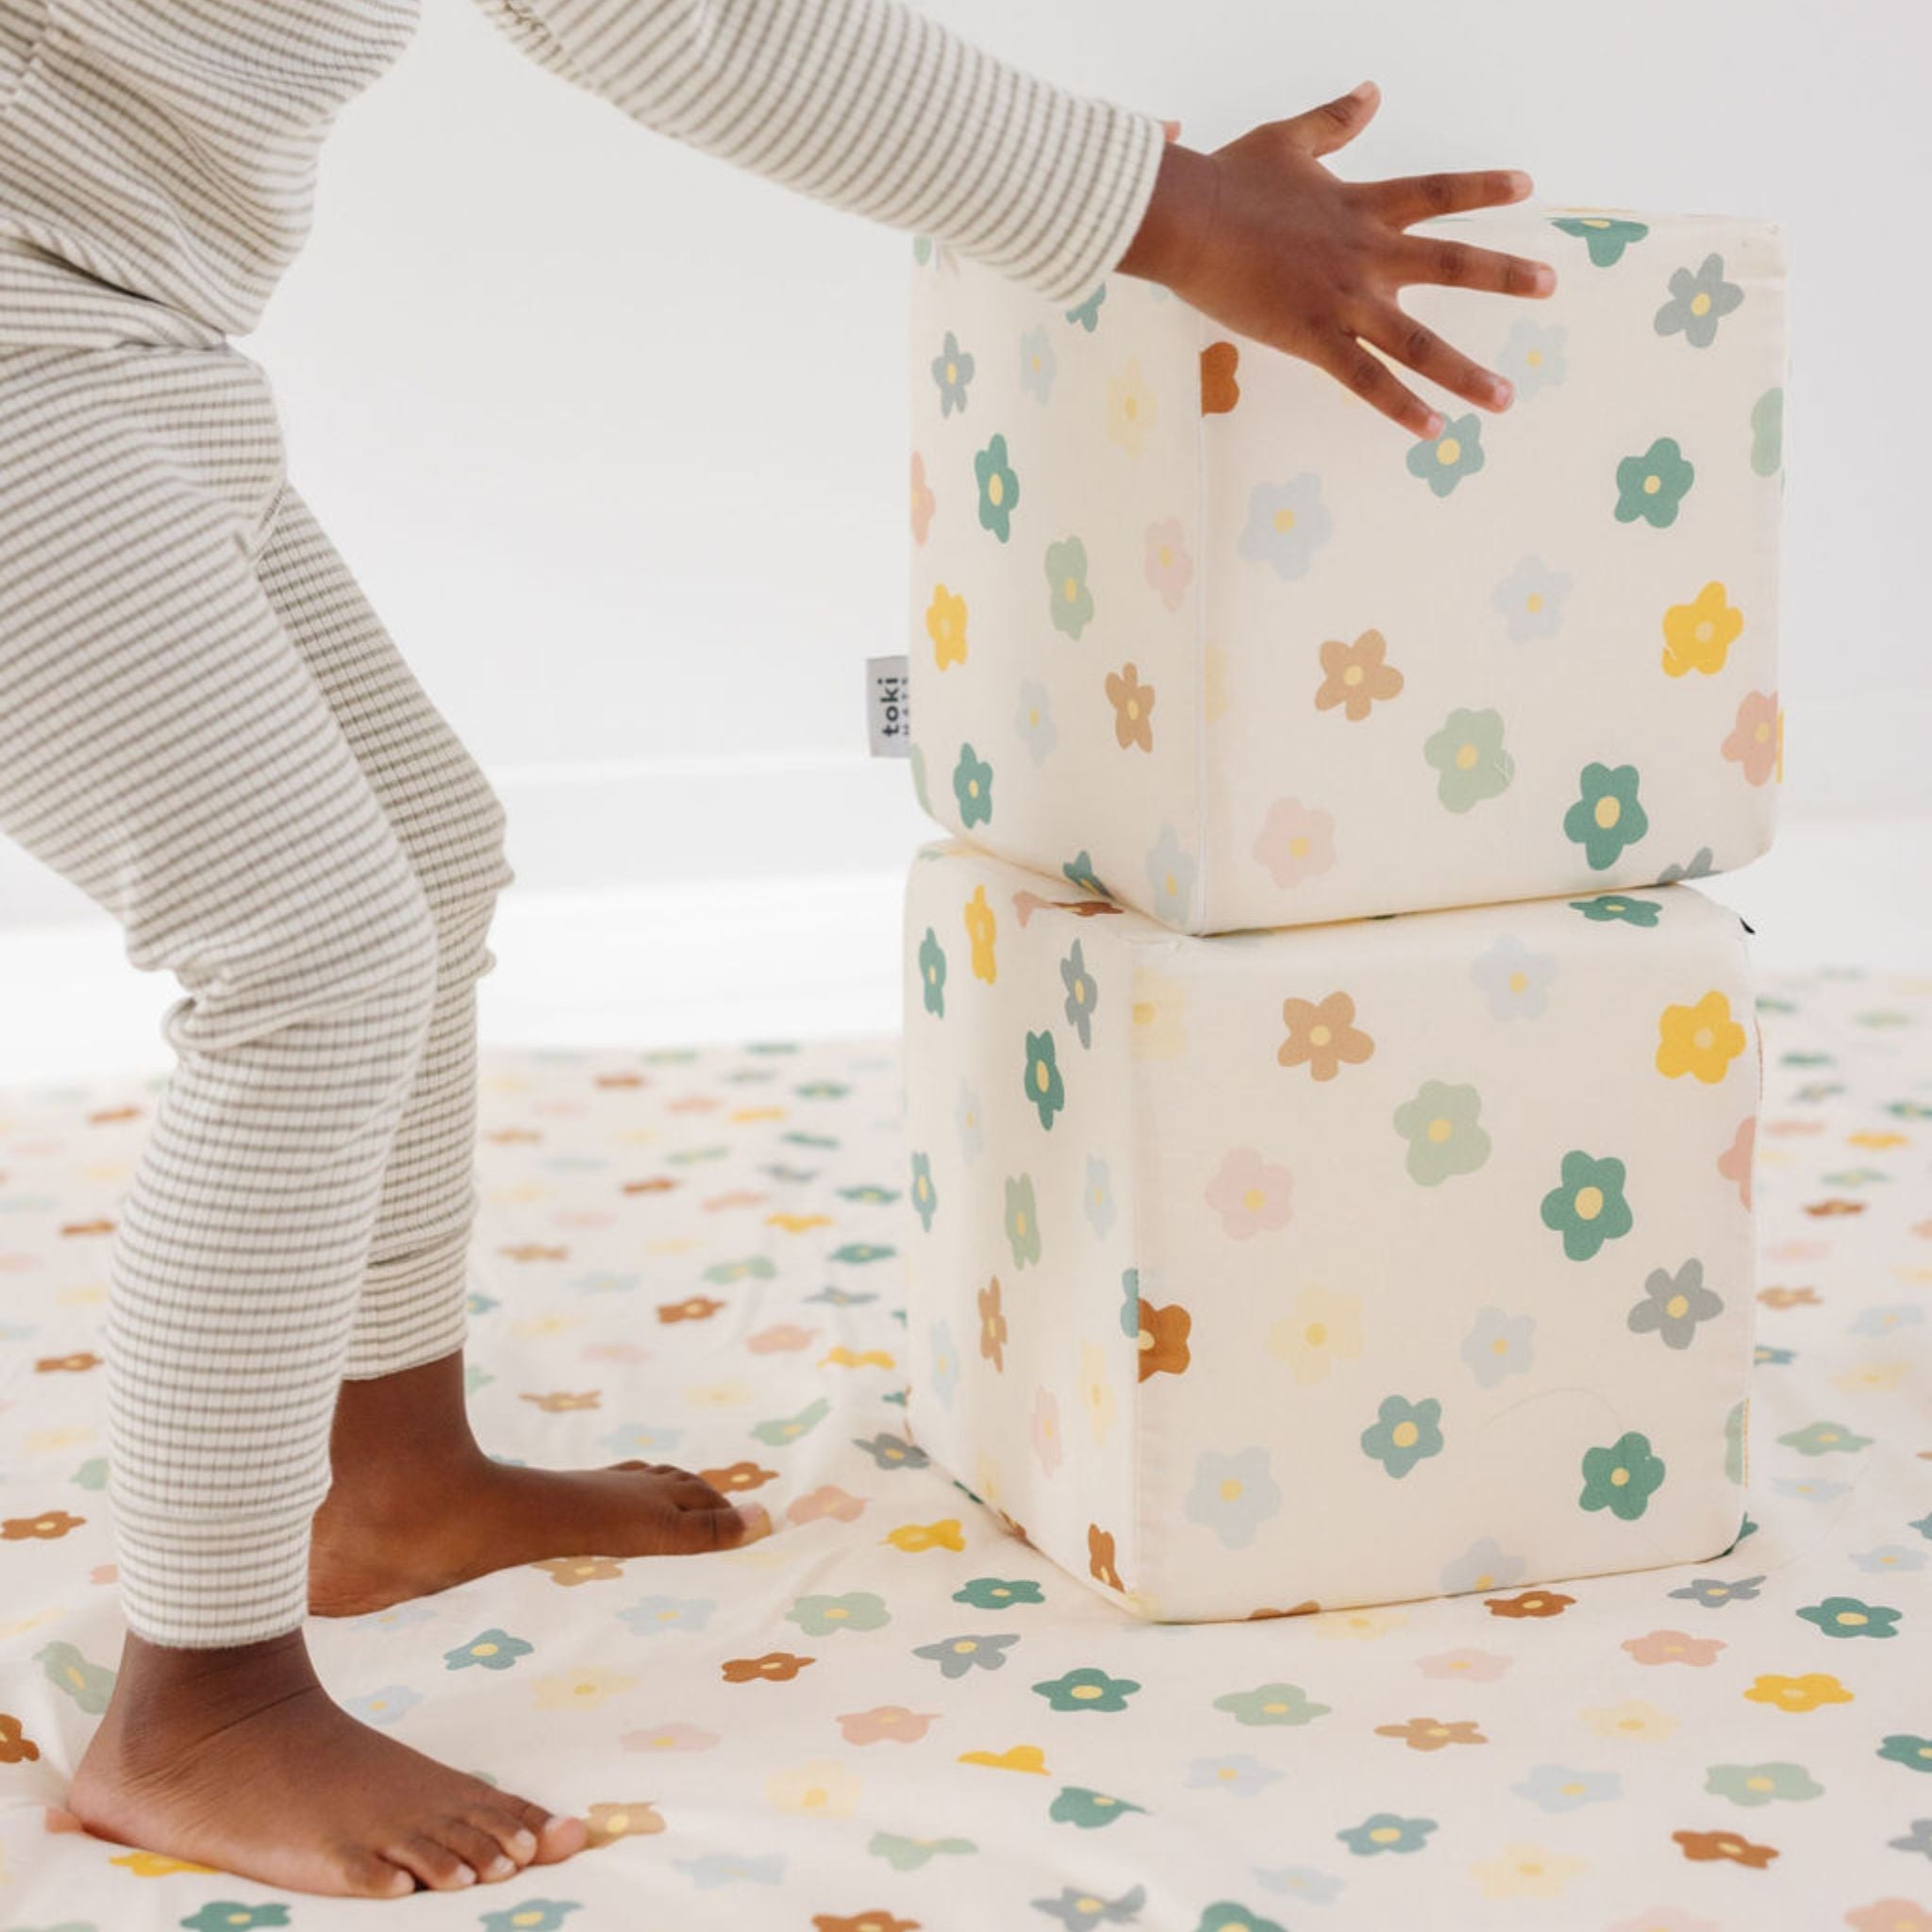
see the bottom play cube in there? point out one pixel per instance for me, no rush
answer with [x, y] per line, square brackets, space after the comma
[1361, 1262]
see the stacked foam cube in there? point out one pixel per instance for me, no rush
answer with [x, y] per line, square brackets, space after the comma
[1330, 1117]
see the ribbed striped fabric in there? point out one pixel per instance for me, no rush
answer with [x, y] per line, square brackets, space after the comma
[203, 725]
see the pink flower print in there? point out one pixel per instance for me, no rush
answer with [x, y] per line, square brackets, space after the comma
[1756, 739]
[1296, 842]
[1250, 1193]
[1734, 1163]
[887, 1723]
[1664, 1919]
[1470, 1666]
[781, 1336]
[827, 1500]
[1046, 1430]
[1170, 569]
[1673, 1647]
[921, 499]
[1890, 1915]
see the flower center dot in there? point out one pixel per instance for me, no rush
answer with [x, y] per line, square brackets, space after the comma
[1590, 1203]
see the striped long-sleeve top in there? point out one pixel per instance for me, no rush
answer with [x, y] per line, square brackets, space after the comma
[159, 156]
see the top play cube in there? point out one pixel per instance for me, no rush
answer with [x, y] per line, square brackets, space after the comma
[1191, 621]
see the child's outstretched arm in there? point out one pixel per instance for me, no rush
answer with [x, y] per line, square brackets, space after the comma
[869, 106]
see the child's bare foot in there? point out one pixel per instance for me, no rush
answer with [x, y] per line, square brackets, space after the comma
[417, 1507]
[237, 1758]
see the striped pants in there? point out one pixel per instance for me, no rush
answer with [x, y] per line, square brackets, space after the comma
[205, 728]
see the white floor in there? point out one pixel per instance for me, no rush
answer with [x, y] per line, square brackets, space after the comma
[819, 955]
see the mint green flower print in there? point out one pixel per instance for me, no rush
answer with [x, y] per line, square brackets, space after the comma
[924, 1198]
[494, 1650]
[1699, 301]
[1825, 1439]
[1022, 1220]
[1404, 1434]
[1442, 462]
[1606, 816]
[1384, 1832]
[1070, 602]
[1612, 906]
[1849, 1616]
[973, 787]
[68, 1670]
[226, 1915]
[1653, 485]
[1914, 1753]
[932, 973]
[1444, 1134]
[1586, 1207]
[908, 1854]
[1287, 523]
[1468, 753]
[1087, 315]
[1605, 238]
[1768, 433]
[1086, 1690]
[1760, 1784]
[1045, 1090]
[952, 368]
[1083, 996]
[1089, 1810]
[1622, 1479]
[999, 488]
[1735, 1425]
[1271, 1704]
[824, 1616]
[1078, 870]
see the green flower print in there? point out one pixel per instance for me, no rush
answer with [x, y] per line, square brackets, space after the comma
[1587, 1207]
[1700, 299]
[1089, 1810]
[1078, 870]
[1444, 1134]
[952, 368]
[782, 1429]
[1613, 906]
[1915, 1753]
[1045, 1090]
[1760, 1784]
[822, 1616]
[1384, 1832]
[1405, 1434]
[996, 1592]
[999, 488]
[1673, 1305]
[932, 973]
[1022, 1220]
[1606, 817]
[1824, 1438]
[973, 787]
[225, 1915]
[1736, 1424]
[1442, 462]
[908, 1854]
[1271, 1704]
[1653, 485]
[531, 1915]
[1847, 1617]
[88, 1684]
[494, 1650]
[1087, 314]
[1768, 433]
[1605, 238]
[1225, 1916]
[916, 769]
[1086, 1689]
[1622, 1479]
[1468, 752]
[1069, 600]
[1083, 996]
[924, 1198]
[859, 1251]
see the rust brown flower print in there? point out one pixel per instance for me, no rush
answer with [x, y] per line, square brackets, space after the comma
[1133, 709]
[774, 1667]
[1164, 1339]
[1530, 1602]
[1356, 676]
[1100, 1563]
[1323, 1036]
[1432, 1734]
[992, 1326]
[1703, 1848]
[45, 1527]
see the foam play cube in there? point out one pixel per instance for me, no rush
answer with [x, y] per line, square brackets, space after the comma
[1331, 1266]
[1189, 616]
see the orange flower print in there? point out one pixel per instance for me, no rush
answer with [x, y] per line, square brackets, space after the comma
[1356, 675]
[1827, 1209]
[1702, 1847]
[570, 1571]
[609, 1822]
[880, 1921]
[67, 1364]
[1100, 1564]
[1758, 739]
[1789, 1297]
[695, 1307]
[1531, 1602]
[738, 1476]
[16, 1747]
[1163, 1339]
[922, 505]
[993, 1325]
[1323, 1036]
[1133, 709]
[45, 1527]
[562, 1403]
[535, 1251]
[1432, 1734]
[774, 1667]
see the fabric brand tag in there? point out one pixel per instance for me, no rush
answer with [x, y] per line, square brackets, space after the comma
[888, 707]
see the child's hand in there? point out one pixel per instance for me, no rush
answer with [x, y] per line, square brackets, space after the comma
[1260, 235]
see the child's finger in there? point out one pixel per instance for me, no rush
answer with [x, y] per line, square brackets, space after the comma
[1417, 197]
[1425, 352]
[1172, 129]
[1369, 377]
[1322, 130]
[1456, 265]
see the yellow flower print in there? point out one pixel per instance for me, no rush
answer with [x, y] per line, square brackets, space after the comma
[1698, 636]
[1026, 1757]
[1702, 1041]
[581, 1690]
[820, 1789]
[945, 624]
[1159, 1011]
[980, 926]
[1214, 684]
[1096, 1392]
[1130, 409]
[1324, 1329]
[915, 1537]
[1634, 1721]
[1808, 1692]
[1357, 1626]
[158, 1865]
[1527, 1871]
[1878, 1377]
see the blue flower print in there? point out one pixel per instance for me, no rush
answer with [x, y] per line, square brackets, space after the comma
[653, 1616]
[1557, 1788]
[973, 788]
[1237, 1774]
[1530, 600]
[1532, 358]
[1442, 462]
[1287, 523]
[1034, 722]
[1233, 1496]
[494, 1650]
[952, 368]
[1037, 365]
[924, 1199]
[967, 1124]
[1097, 1201]
[1087, 314]
[713, 1869]
[1083, 996]
[956, 1656]
[1170, 876]
[1918, 1839]
[944, 1376]
[1888, 1557]
[1485, 1565]
[1318, 1888]
[388, 1706]
[1404, 1433]
[1383, 1831]
[1699, 301]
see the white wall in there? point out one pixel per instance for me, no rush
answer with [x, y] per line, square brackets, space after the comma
[614, 435]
